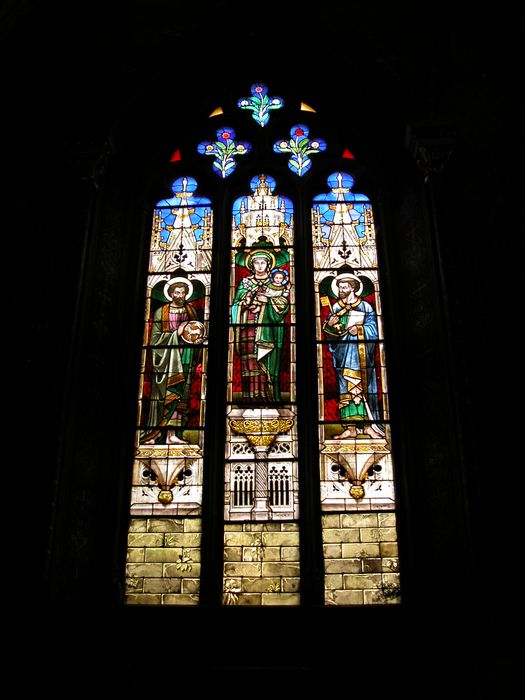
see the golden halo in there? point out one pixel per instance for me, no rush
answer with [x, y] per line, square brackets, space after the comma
[346, 276]
[182, 280]
[260, 253]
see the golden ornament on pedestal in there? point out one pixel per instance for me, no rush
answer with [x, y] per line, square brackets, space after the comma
[165, 497]
[357, 490]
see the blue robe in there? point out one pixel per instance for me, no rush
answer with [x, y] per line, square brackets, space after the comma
[354, 361]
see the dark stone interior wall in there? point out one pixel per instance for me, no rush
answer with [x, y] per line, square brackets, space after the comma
[96, 95]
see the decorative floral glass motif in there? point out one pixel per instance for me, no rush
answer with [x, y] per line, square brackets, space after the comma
[301, 147]
[354, 430]
[224, 150]
[260, 104]
[261, 444]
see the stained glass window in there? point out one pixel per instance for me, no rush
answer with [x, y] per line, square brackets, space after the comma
[261, 556]
[280, 233]
[164, 538]
[357, 487]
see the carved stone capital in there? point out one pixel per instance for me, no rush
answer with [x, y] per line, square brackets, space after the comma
[431, 144]
[90, 159]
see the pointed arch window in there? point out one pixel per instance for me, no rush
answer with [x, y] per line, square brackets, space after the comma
[293, 334]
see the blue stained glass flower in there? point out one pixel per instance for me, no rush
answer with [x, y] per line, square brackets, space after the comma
[260, 104]
[301, 147]
[225, 150]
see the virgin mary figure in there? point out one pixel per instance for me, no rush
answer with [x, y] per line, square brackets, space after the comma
[258, 321]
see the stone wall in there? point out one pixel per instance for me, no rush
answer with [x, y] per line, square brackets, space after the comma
[261, 564]
[163, 561]
[361, 558]
[261, 561]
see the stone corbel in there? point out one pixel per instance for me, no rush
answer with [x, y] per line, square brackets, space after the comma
[178, 460]
[354, 461]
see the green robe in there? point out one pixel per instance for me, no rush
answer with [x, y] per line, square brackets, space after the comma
[173, 366]
[259, 340]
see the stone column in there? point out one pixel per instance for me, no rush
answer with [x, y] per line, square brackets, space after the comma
[261, 509]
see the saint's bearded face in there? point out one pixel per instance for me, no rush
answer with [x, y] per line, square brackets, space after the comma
[345, 289]
[178, 295]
